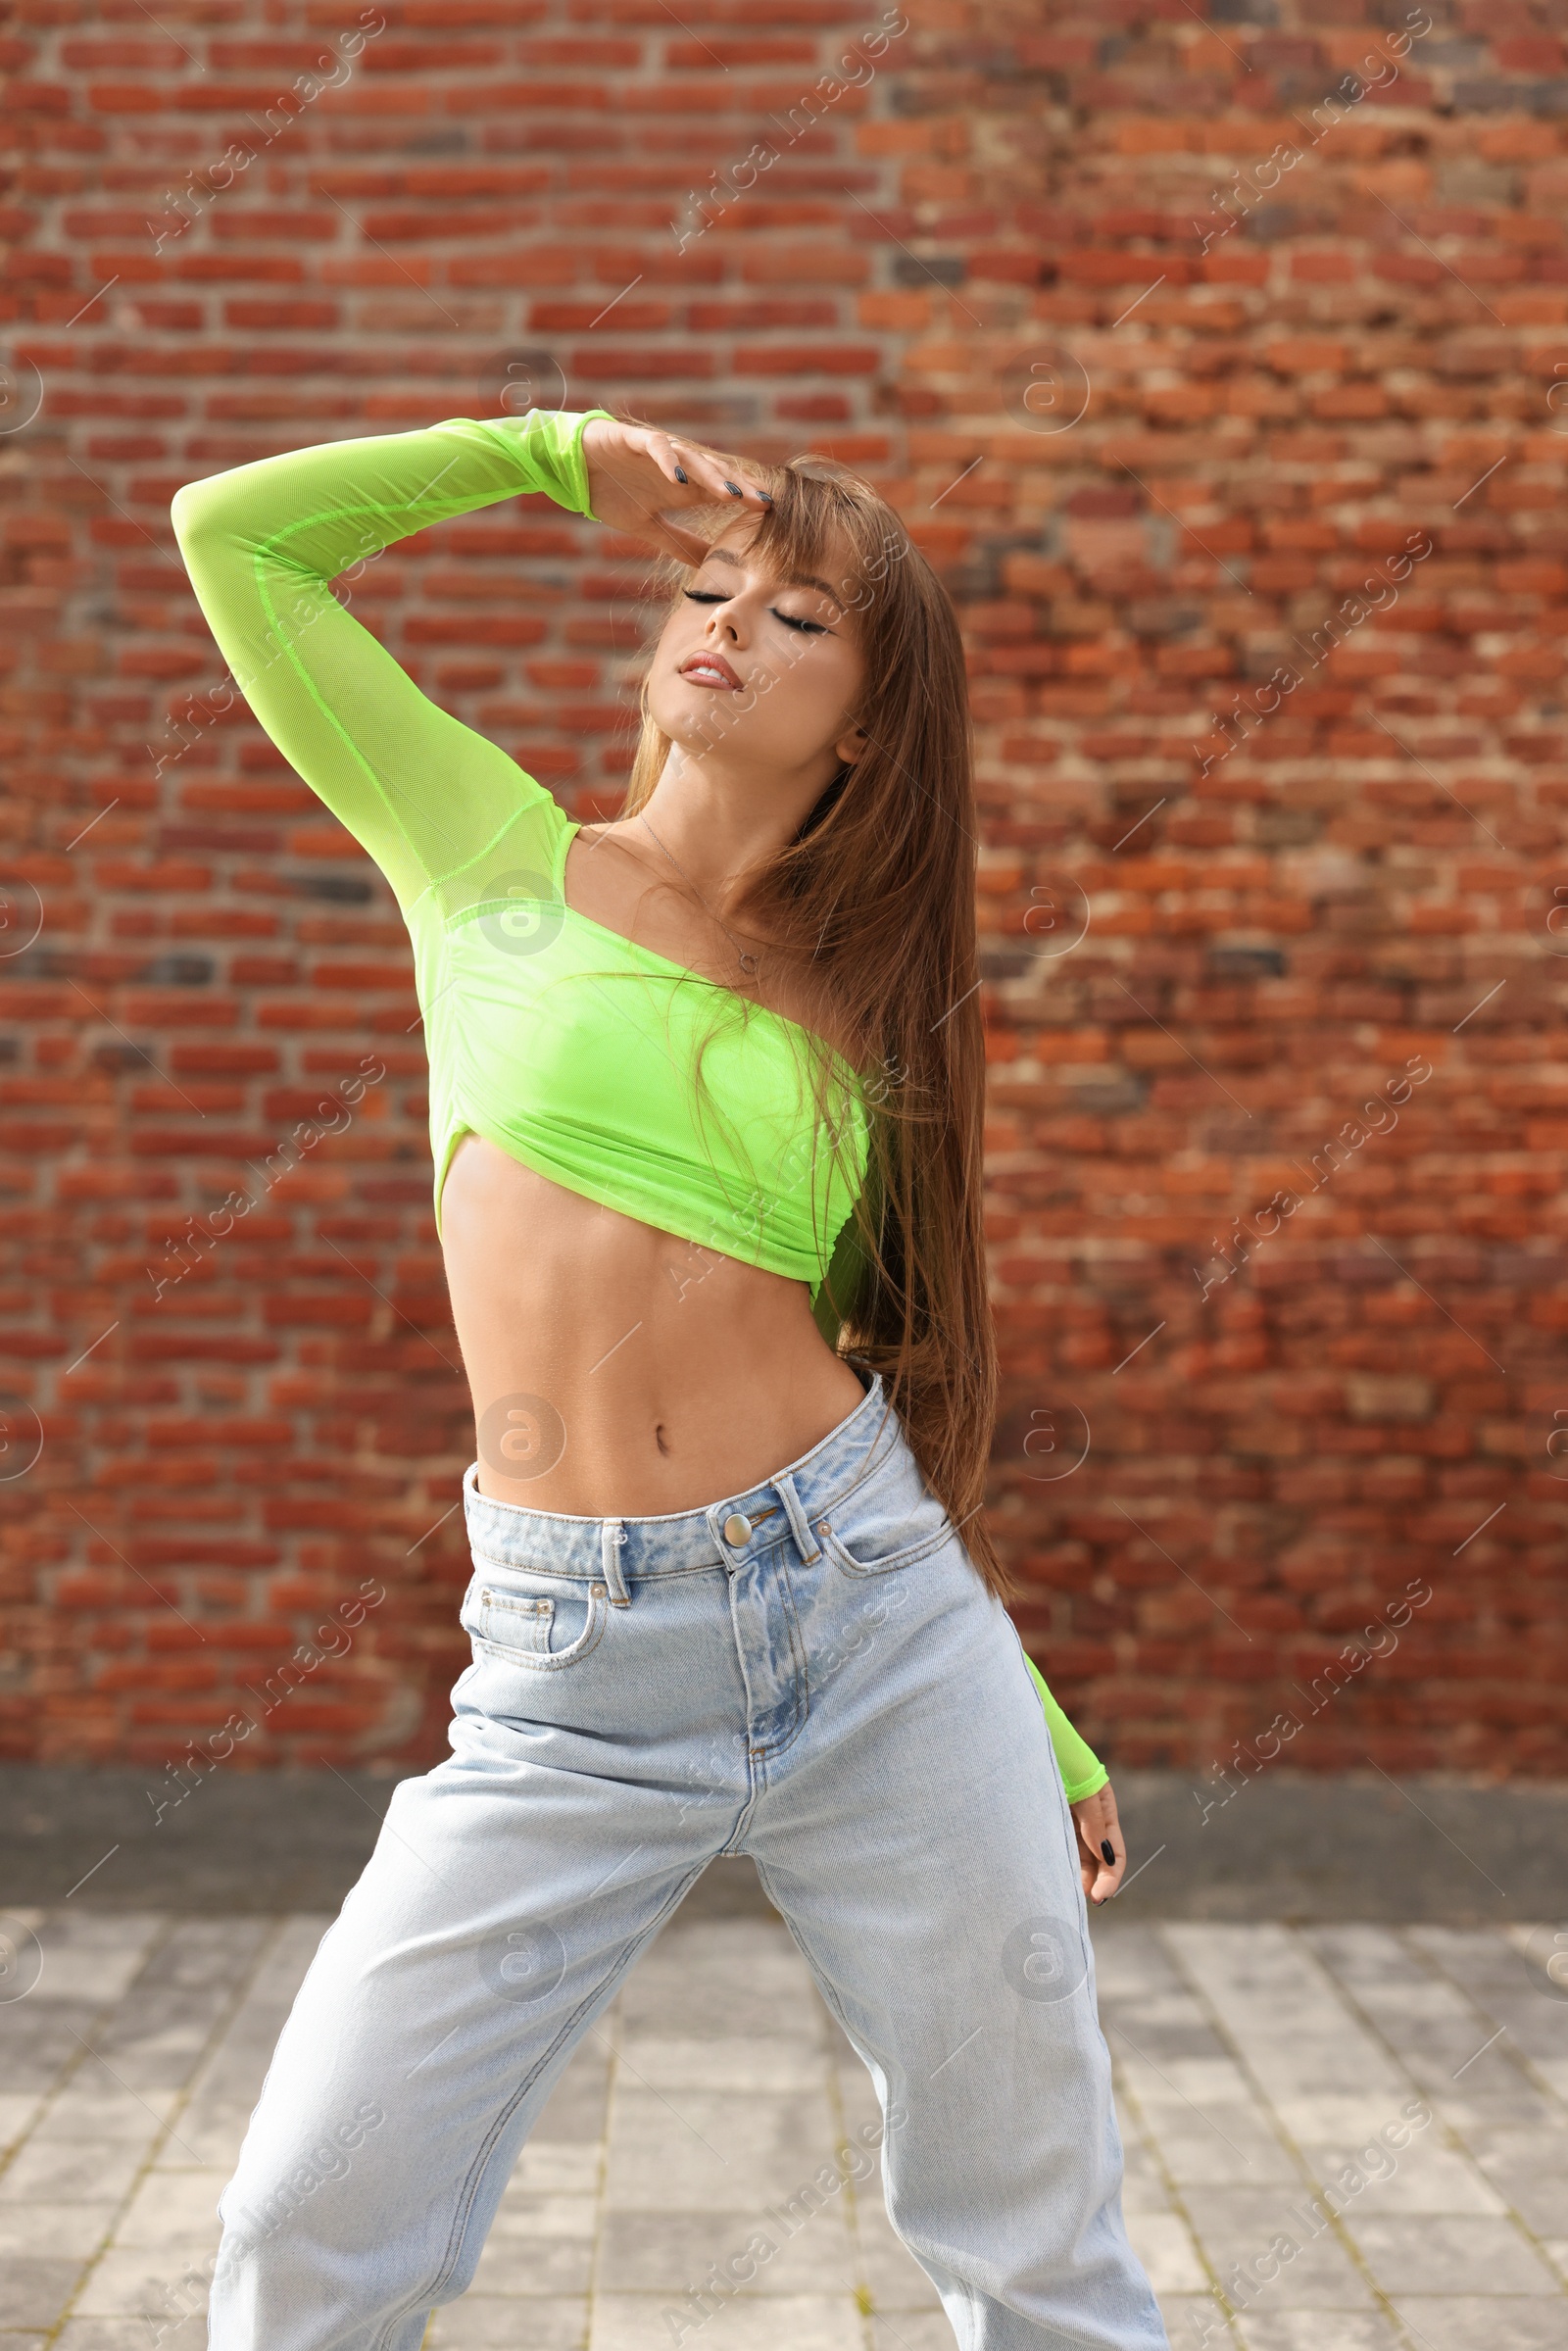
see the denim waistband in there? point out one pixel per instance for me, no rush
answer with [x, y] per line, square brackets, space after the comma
[510, 1535]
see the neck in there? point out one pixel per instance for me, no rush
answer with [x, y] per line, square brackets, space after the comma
[718, 824]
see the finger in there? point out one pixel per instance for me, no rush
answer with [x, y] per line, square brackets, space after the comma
[1103, 1877]
[1111, 1858]
[722, 476]
[672, 458]
[639, 493]
[1103, 1851]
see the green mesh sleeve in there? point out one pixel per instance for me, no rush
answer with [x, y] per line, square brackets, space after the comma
[420, 792]
[1082, 1772]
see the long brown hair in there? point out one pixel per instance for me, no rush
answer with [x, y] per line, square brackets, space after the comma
[874, 903]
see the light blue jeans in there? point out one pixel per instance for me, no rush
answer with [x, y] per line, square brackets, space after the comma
[810, 1673]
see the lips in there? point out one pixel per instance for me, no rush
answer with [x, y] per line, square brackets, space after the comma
[710, 669]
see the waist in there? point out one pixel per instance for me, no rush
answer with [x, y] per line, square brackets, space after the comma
[614, 1366]
[867, 1443]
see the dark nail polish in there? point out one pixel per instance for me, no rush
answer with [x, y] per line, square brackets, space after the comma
[680, 473]
[733, 488]
[765, 497]
[1108, 1850]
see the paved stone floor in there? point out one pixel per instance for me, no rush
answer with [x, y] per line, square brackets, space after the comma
[1255, 2064]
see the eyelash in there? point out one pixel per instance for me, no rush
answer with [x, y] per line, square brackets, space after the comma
[812, 628]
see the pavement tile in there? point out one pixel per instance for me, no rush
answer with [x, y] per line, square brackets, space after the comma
[1142, 2188]
[557, 2168]
[1285, 2014]
[226, 2086]
[1164, 2243]
[1319, 2330]
[1512, 2102]
[1238, 2226]
[58, 2170]
[515, 2263]
[1507, 2060]
[1216, 2147]
[667, 2252]
[1483, 2323]
[575, 2110]
[1314, 2120]
[94, 2106]
[739, 1976]
[911, 2331]
[528, 2214]
[34, 2291]
[93, 1957]
[1455, 2255]
[161, 2028]
[127, 2335]
[74, 2229]
[39, 2041]
[722, 2150]
[1423, 2178]
[799, 2322]
[163, 2281]
[19, 2111]
[720, 2061]
[174, 2208]
[498, 2323]
[1500, 1982]
[1197, 2322]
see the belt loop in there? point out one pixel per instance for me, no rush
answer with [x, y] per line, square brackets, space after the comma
[800, 1526]
[612, 1536]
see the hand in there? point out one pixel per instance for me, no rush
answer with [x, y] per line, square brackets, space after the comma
[632, 480]
[1097, 1825]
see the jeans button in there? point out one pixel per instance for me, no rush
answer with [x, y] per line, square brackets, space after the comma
[737, 1529]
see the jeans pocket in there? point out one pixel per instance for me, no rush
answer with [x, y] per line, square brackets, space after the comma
[876, 1539]
[542, 1631]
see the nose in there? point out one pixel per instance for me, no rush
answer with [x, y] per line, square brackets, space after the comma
[725, 622]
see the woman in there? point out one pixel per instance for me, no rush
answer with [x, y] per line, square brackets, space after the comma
[705, 1107]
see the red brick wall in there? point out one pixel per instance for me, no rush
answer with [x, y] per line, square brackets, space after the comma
[1159, 440]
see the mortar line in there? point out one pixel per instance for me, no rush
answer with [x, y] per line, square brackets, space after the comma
[1401, 1935]
[1287, 2137]
[1128, 2097]
[166, 2130]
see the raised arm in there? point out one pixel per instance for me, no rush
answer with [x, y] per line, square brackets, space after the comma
[420, 792]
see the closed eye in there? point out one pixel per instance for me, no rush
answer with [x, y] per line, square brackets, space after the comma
[812, 628]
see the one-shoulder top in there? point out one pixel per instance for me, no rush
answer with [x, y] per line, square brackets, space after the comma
[569, 1046]
[610, 1070]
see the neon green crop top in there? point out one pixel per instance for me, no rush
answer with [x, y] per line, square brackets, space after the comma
[566, 1045]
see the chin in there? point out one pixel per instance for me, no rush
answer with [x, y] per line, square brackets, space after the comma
[699, 717]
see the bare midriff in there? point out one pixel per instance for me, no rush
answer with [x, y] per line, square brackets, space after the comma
[627, 1373]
